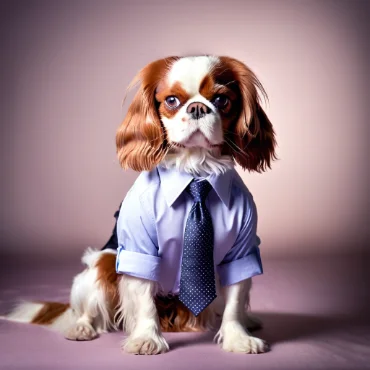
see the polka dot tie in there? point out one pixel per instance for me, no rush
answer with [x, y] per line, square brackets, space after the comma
[197, 282]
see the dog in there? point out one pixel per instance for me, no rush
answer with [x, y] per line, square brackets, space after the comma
[193, 118]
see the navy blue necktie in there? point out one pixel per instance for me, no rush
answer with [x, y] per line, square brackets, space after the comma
[197, 282]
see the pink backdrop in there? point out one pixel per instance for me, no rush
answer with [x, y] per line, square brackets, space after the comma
[65, 67]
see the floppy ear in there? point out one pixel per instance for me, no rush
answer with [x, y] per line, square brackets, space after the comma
[140, 139]
[257, 140]
[252, 132]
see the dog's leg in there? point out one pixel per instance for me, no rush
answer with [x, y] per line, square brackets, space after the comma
[82, 299]
[232, 335]
[89, 299]
[140, 317]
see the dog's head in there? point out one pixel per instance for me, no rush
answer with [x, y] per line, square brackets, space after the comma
[196, 108]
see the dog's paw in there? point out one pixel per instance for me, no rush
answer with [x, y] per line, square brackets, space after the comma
[145, 346]
[245, 344]
[81, 331]
[233, 338]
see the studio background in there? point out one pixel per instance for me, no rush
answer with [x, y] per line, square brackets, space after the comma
[65, 69]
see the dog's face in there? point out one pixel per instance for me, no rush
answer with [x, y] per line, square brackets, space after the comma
[193, 104]
[205, 103]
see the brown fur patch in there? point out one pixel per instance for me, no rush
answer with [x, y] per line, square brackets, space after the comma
[49, 312]
[175, 317]
[140, 140]
[108, 278]
[207, 87]
[176, 90]
[211, 86]
[249, 136]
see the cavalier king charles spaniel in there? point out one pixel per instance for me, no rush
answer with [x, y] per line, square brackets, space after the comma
[198, 116]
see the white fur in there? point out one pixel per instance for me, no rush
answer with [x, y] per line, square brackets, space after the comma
[91, 256]
[140, 318]
[233, 335]
[89, 301]
[195, 67]
[198, 161]
[82, 329]
[25, 312]
[181, 126]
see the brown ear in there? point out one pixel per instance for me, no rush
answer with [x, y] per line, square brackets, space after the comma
[257, 141]
[140, 139]
[252, 132]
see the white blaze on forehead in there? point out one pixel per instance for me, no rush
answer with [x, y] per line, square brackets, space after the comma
[190, 71]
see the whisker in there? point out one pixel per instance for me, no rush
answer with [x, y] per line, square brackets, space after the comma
[240, 153]
[236, 147]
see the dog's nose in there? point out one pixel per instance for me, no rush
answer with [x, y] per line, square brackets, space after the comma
[198, 110]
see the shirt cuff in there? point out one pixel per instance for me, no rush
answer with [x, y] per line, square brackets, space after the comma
[137, 264]
[241, 269]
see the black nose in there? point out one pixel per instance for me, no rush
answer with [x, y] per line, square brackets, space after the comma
[198, 110]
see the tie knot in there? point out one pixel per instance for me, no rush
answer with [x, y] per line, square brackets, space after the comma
[199, 190]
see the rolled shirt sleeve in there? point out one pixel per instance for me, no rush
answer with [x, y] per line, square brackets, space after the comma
[243, 260]
[137, 246]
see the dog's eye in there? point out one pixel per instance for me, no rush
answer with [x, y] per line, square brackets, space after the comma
[221, 101]
[172, 102]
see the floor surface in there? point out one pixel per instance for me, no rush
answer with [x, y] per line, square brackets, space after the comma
[315, 312]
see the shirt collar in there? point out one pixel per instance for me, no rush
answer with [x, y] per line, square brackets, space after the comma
[174, 182]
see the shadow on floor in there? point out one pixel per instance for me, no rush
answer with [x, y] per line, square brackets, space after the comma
[285, 327]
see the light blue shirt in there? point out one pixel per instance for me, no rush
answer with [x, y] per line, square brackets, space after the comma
[152, 219]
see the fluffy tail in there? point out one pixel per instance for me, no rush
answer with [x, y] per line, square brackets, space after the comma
[54, 315]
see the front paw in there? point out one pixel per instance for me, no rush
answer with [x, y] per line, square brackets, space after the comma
[145, 346]
[234, 338]
[81, 331]
[245, 344]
